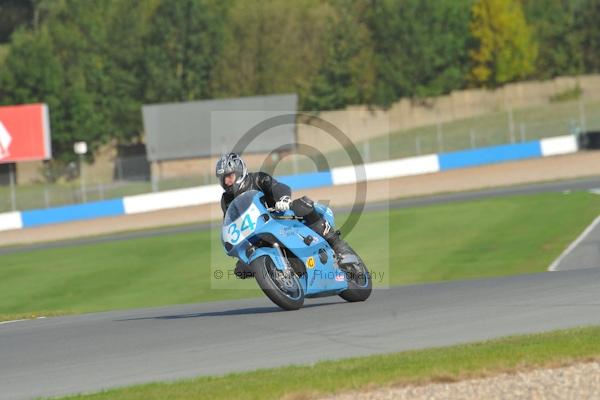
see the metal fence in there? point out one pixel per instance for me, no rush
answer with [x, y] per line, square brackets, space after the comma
[130, 173]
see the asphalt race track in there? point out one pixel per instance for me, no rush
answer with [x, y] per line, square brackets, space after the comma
[87, 353]
[583, 253]
[66, 355]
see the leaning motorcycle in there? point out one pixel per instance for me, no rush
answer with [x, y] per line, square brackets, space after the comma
[289, 260]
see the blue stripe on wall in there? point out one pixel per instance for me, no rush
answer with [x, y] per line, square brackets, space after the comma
[77, 212]
[490, 155]
[310, 180]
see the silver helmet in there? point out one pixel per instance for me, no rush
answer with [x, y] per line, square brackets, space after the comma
[227, 164]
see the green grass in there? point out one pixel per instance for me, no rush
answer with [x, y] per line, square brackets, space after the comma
[495, 237]
[413, 367]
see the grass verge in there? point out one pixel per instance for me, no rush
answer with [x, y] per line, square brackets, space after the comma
[445, 364]
[475, 239]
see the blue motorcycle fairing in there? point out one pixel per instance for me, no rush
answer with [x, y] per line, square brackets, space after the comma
[249, 218]
[325, 212]
[269, 252]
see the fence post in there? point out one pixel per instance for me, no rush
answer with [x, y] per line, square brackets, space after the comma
[119, 169]
[46, 197]
[472, 134]
[440, 133]
[440, 138]
[13, 194]
[82, 178]
[154, 171]
[418, 145]
[511, 125]
[522, 126]
[582, 121]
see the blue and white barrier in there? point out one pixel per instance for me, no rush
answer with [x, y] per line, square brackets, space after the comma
[337, 176]
[172, 199]
[11, 220]
[387, 169]
[78, 212]
[489, 155]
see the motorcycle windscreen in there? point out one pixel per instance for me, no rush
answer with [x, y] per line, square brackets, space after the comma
[238, 206]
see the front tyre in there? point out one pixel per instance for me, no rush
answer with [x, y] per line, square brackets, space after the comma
[359, 281]
[282, 287]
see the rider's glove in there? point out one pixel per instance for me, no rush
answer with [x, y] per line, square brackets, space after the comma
[283, 204]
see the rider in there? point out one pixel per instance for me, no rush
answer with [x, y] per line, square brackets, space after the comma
[235, 179]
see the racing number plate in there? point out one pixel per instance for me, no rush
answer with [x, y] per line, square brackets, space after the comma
[242, 227]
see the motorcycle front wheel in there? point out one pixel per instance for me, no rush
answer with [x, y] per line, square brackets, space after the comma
[282, 287]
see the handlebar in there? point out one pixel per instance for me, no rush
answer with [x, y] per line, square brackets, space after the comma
[272, 210]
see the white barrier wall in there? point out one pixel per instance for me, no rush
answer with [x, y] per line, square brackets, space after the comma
[559, 145]
[387, 169]
[11, 220]
[172, 199]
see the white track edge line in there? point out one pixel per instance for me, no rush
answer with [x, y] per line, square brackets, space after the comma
[569, 249]
[10, 322]
[19, 320]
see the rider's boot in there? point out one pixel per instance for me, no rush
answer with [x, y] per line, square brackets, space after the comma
[304, 207]
[339, 246]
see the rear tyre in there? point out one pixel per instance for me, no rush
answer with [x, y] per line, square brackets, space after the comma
[283, 289]
[359, 281]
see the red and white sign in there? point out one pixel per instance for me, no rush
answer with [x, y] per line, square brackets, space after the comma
[24, 133]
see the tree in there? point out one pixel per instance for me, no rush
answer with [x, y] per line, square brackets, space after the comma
[14, 14]
[586, 25]
[347, 72]
[271, 47]
[33, 73]
[82, 61]
[505, 49]
[181, 49]
[420, 46]
[553, 22]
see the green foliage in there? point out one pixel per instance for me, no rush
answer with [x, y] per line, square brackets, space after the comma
[272, 46]
[566, 95]
[96, 62]
[32, 72]
[181, 49]
[420, 46]
[587, 27]
[84, 68]
[347, 71]
[13, 14]
[553, 24]
[505, 49]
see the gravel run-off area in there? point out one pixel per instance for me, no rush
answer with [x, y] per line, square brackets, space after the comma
[579, 381]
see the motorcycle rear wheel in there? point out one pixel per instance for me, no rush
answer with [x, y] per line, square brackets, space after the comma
[360, 285]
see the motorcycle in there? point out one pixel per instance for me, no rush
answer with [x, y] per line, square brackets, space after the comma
[290, 261]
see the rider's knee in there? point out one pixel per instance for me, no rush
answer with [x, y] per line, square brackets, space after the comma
[302, 206]
[305, 208]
